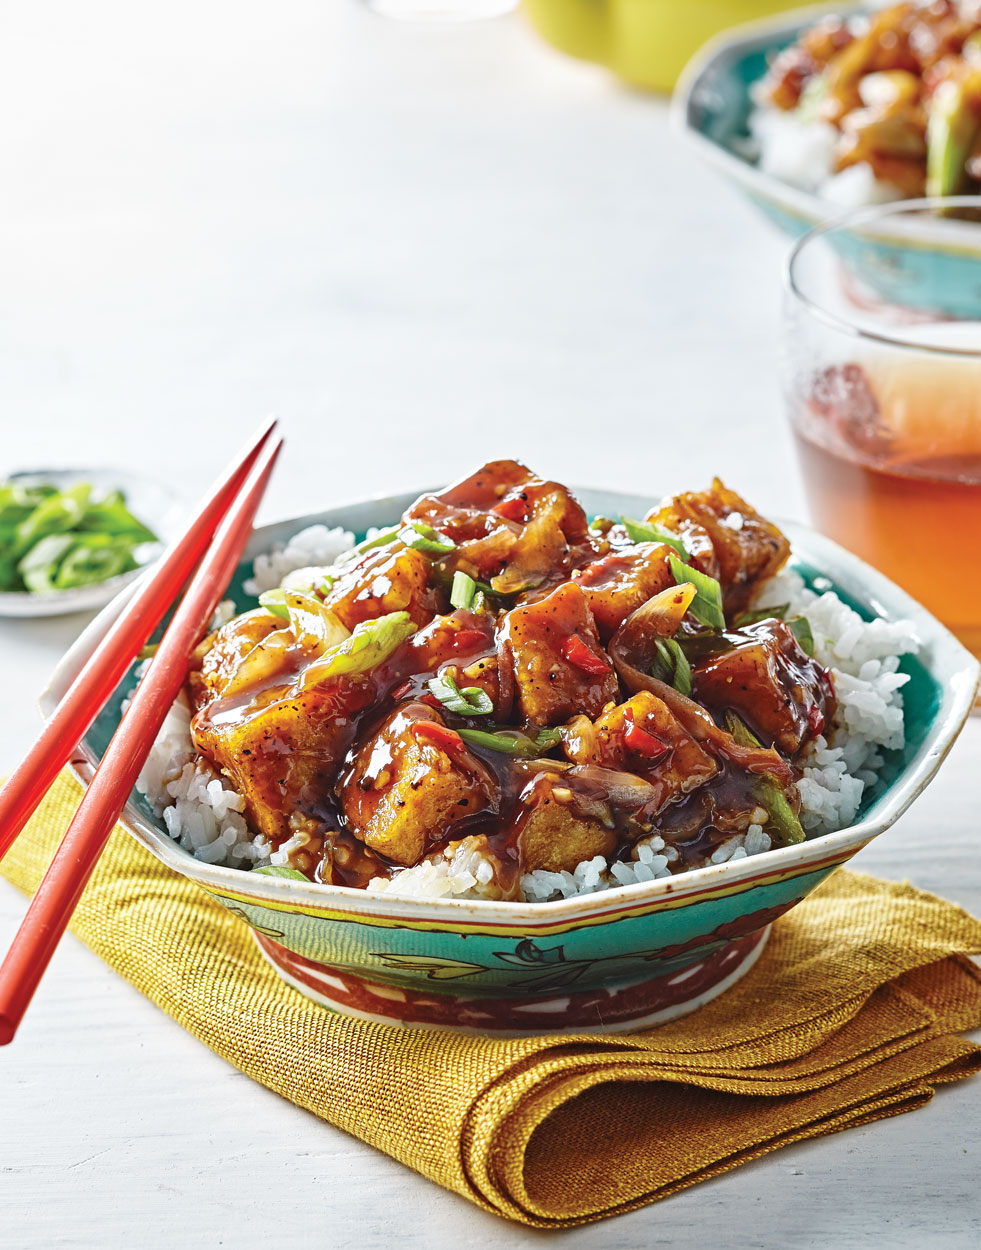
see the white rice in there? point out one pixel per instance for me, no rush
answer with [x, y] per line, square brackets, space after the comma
[801, 153]
[316, 546]
[203, 812]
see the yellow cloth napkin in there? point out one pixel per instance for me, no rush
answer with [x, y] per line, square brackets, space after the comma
[851, 1013]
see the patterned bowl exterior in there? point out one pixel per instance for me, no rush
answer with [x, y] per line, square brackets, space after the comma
[572, 962]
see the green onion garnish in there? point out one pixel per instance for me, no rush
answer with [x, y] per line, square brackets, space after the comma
[424, 538]
[463, 590]
[280, 870]
[801, 628]
[646, 532]
[370, 645]
[274, 601]
[54, 539]
[776, 612]
[706, 607]
[769, 792]
[673, 664]
[513, 741]
[379, 540]
[470, 701]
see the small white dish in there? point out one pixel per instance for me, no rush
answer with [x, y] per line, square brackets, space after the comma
[153, 504]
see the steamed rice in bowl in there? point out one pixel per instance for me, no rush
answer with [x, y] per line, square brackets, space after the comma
[205, 812]
[869, 107]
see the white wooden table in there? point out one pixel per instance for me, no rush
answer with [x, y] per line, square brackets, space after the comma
[422, 247]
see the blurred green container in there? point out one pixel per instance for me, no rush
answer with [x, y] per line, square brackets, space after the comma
[646, 42]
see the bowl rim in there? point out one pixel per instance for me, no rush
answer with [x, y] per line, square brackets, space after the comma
[959, 683]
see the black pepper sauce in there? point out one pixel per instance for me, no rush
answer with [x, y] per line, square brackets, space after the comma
[692, 822]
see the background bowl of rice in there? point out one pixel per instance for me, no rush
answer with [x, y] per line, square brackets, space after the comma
[599, 954]
[782, 163]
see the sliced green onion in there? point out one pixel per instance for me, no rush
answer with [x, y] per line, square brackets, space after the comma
[777, 612]
[313, 624]
[39, 568]
[274, 601]
[280, 870]
[379, 540]
[769, 791]
[513, 741]
[111, 516]
[706, 607]
[96, 537]
[463, 590]
[647, 532]
[94, 558]
[470, 701]
[674, 664]
[801, 628]
[370, 645]
[56, 514]
[424, 538]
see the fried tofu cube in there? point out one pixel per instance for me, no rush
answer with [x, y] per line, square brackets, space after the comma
[510, 527]
[620, 582]
[643, 736]
[559, 665]
[282, 747]
[770, 684]
[384, 581]
[411, 784]
[219, 665]
[723, 530]
[553, 836]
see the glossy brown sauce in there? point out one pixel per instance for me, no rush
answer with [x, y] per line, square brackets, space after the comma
[314, 784]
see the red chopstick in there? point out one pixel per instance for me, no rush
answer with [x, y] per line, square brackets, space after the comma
[29, 782]
[51, 908]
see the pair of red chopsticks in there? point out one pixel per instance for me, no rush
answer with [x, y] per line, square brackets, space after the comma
[213, 544]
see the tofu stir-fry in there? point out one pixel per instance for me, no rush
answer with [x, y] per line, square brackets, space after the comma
[499, 673]
[902, 86]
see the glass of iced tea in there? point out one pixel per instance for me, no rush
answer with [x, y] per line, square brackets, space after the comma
[882, 373]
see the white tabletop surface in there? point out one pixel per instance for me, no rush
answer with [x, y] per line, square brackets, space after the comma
[422, 248]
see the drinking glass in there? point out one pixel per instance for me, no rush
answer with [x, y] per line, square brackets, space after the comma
[882, 378]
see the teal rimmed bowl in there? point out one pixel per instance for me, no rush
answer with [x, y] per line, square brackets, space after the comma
[618, 959]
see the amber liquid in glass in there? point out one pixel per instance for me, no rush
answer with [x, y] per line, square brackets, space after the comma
[907, 508]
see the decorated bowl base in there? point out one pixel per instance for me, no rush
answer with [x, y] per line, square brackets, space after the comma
[606, 1010]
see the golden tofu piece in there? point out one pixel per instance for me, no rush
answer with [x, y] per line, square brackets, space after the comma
[281, 746]
[643, 736]
[728, 538]
[770, 683]
[384, 581]
[620, 582]
[553, 836]
[559, 666]
[411, 783]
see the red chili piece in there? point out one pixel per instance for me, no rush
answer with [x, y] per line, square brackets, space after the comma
[446, 739]
[639, 740]
[515, 509]
[576, 652]
[469, 639]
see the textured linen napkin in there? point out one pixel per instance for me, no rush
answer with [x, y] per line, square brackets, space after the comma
[851, 1013]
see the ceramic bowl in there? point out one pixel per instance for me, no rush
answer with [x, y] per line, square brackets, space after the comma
[927, 262]
[150, 502]
[613, 960]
